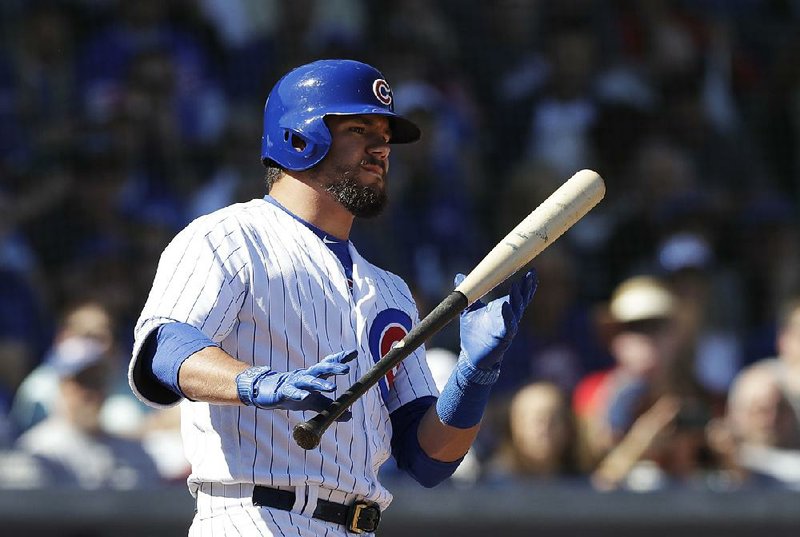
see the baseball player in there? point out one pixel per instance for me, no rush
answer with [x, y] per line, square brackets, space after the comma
[262, 311]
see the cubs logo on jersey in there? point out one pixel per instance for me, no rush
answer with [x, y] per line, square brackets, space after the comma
[390, 326]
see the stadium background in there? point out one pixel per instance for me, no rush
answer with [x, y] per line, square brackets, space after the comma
[120, 122]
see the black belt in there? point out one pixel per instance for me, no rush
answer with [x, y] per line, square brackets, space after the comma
[357, 518]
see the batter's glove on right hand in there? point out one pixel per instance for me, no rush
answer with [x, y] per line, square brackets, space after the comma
[294, 390]
[487, 329]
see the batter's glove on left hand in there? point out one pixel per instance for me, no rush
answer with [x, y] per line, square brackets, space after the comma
[486, 333]
[487, 329]
[294, 390]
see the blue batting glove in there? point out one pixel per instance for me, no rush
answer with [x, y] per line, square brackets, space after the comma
[294, 390]
[487, 329]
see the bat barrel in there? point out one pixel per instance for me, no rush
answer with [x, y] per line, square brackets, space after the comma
[556, 214]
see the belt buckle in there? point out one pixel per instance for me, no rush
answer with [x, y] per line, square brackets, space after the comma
[362, 511]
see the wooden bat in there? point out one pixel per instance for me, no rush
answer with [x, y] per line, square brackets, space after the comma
[559, 212]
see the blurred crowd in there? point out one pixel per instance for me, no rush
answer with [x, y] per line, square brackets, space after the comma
[663, 345]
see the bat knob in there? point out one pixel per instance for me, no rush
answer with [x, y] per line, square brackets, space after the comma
[306, 435]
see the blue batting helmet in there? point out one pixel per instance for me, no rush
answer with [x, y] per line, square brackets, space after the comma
[299, 102]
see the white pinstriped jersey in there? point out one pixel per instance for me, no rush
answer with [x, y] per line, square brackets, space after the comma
[265, 288]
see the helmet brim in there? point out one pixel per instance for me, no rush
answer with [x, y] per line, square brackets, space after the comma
[404, 131]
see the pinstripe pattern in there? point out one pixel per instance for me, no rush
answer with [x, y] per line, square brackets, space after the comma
[267, 289]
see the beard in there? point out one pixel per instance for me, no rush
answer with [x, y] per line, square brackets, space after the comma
[362, 201]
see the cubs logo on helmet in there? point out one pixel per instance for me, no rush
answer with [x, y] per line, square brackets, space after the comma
[389, 327]
[382, 91]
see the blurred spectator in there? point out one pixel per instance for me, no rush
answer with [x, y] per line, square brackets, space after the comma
[706, 315]
[757, 441]
[786, 365]
[642, 341]
[36, 398]
[644, 419]
[73, 436]
[541, 440]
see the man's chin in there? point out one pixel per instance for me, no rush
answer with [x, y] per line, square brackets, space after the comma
[369, 211]
[362, 201]
[366, 207]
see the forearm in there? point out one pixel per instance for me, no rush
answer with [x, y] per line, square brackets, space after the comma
[185, 361]
[407, 421]
[178, 360]
[209, 375]
[444, 442]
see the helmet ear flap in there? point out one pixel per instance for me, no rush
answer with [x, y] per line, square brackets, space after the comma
[299, 151]
[297, 142]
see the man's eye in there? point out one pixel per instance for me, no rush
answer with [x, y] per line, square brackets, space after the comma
[359, 130]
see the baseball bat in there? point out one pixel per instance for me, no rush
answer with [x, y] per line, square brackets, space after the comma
[556, 214]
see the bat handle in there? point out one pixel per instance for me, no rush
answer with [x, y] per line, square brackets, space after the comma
[308, 434]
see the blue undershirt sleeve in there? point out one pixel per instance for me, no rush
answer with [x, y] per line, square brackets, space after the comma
[408, 453]
[168, 347]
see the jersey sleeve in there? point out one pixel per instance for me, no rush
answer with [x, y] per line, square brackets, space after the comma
[201, 280]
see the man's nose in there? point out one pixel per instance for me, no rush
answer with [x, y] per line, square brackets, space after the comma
[380, 150]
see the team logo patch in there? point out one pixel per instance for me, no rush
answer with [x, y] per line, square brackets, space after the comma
[389, 327]
[382, 91]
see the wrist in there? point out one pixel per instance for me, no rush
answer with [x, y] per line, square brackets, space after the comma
[247, 383]
[471, 373]
[464, 398]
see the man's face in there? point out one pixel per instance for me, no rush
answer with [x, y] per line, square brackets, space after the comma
[642, 347]
[83, 395]
[354, 170]
[759, 413]
[539, 423]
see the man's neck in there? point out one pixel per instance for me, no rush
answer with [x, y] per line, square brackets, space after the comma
[313, 204]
